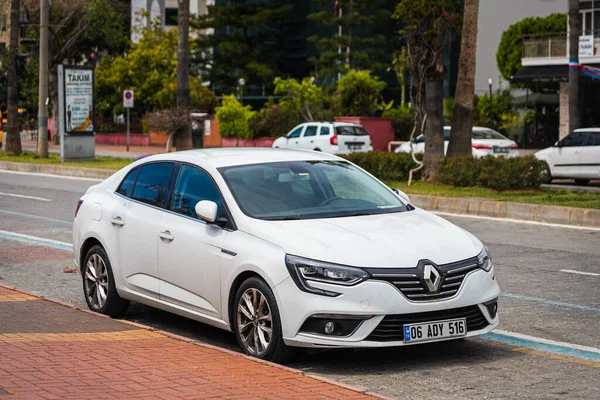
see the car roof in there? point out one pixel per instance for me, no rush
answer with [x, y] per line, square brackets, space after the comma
[475, 127]
[587, 130]
[226, 157]
[334, 123]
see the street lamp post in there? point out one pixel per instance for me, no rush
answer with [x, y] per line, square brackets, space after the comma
[490, 85]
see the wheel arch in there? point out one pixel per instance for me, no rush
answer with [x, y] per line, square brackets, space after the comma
[235, 285]
[87, 244]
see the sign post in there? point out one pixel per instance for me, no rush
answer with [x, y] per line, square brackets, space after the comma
[127, 103]
[76, 113]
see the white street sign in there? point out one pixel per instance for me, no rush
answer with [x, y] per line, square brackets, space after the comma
[128, 98]
[586, 46]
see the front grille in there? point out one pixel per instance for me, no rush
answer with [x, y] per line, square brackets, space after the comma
[410, 283]
[391, 328]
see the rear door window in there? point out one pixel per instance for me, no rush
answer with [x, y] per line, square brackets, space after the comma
[152, 184]
[593, 139]
[311, 130]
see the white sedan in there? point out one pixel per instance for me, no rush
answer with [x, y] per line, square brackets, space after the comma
[577, 156]
[284, 248]
[485, 142]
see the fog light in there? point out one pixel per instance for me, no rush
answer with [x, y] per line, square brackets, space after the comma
[329, 327]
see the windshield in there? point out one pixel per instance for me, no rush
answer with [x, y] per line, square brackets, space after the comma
[351, 130]
[308, 189]
[487, 134]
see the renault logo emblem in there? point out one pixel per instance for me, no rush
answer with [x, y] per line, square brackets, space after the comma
[432, 278]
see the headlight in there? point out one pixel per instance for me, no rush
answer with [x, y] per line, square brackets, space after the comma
[484, 259]
[304, 271]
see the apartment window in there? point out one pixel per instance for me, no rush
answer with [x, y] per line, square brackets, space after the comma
[171, 16]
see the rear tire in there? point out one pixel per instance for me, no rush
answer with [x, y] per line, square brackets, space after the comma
[582, 182]
[256, 322]
[99, 284]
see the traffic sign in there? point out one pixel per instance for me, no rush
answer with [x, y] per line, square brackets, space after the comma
[128, 98]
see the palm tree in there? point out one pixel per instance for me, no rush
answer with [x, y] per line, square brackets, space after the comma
[573, 86]
[184, 139]
[462, 115]
[13, 135]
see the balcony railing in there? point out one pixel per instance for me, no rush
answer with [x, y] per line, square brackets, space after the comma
[545, 46]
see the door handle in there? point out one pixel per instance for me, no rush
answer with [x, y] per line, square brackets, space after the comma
[312, 141]
[577, 152]
[166, 236]
[117, 221]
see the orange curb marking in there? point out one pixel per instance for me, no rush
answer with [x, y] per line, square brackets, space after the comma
[17, 297]
[117, 336]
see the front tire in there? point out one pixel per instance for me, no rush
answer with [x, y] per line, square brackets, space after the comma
[99, 284]
[256, 322]
[546, 174]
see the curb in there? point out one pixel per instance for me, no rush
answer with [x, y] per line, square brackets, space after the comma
[574, 216]
[208, 346]
[60, 170]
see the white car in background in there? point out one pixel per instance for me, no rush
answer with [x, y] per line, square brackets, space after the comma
[485, 142]
[328, 137]
[577, 156]
[284, 248]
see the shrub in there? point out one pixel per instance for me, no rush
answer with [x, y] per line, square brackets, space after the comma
[385, 166]
[403, 123]
[273, 121]
[233, 118]
[492, 172]
[358, 93]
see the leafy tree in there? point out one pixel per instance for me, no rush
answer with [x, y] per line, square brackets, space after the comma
[510, 50]
[234, 118]
[358, 93]
[425, 28]
[149, 69]
[244, 43]
[362, 44]
[302, 97]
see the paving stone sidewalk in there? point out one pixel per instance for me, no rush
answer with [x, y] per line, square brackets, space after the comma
[54, 351]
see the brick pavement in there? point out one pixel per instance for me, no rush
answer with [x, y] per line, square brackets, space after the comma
[54, 351]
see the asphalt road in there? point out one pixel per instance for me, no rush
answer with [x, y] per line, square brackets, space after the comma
[542, 297]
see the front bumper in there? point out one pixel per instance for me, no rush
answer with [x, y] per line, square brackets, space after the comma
[375, 300]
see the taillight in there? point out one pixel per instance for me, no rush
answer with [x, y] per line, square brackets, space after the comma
[514, 147]
[333, 140]
[79, 203]
[481, 146]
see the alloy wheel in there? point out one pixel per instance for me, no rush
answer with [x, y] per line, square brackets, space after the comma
[96, 281]
[254, 321]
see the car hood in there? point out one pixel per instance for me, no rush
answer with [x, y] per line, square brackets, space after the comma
[385, 240]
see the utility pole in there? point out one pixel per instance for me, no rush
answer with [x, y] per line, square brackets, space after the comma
[42, 148]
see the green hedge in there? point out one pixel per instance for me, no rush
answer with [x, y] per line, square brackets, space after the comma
[385, 166]
[492, 172]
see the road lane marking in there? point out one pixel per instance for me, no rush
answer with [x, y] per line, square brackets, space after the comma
[516, 221]
[553, 303]
[21, 196]
[519, 341]
[18, 214]
[572, 271]
[21, 237]
[51, 176]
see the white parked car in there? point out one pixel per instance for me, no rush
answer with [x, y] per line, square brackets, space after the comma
[485, 142]
[328, 137]
[284, 248]
[576, 156]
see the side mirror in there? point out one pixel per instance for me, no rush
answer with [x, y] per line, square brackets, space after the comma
[206, 210]
[556, 144]
[401, 194]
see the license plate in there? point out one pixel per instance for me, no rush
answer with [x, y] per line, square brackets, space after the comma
[429, 331]
[355, 146]
[501, 150]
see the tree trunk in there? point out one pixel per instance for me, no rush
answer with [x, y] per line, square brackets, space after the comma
[462, 115]
[13, 134]
[53, 92]
[574, 33]
[184, 139]
[434, 129]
